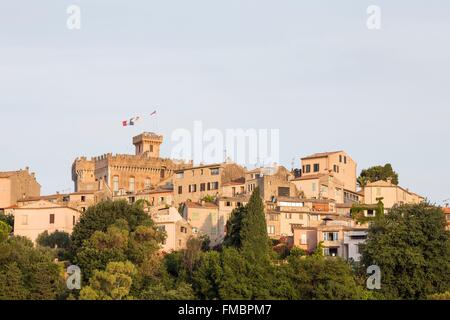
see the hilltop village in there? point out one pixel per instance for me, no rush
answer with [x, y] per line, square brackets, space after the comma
[312, 205]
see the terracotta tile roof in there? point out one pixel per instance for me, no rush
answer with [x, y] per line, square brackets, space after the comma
[310, 177]
[7, 174]
[207, 205]
[446, 210]
[320, 155]
[236, 182]
[344, 205]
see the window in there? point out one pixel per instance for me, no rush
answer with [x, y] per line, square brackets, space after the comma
[162, 228]
[215, 171]
[209, 186]
[288, 216]
[238, 204]
[193, 188]
[202, 186]
[308, 168]
[116, 183]
[316, 167]
[336, 168]
[340, 158]
[284, 192]
[215, 186]
[24, 220]
[147, 184]
[370, 213]
[228, 204]
[303, 239]
[151, 148]
[303, 168]
[345, 159]
[52, 218]
[201, 172]
[330, 252]
[271, 229]
[180, 190]
[180, 175]
[183, 230]
[331, 236]
[273, 217]
[83, 209]
[131, 184]
[83, 198]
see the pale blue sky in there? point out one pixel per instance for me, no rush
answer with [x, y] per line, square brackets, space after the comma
[310, 68]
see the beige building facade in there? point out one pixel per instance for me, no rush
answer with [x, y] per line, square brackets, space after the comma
[178, 230]
[339, 163]
[391, 194]
[205, 219]
[17, 185]
[33, 219]
[193, 184]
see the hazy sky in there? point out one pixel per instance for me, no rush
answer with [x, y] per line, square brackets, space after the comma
[310, 68]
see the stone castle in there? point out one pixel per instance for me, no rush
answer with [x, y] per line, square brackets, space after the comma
[123, 173]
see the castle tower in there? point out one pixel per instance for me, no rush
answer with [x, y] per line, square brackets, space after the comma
[148, 143]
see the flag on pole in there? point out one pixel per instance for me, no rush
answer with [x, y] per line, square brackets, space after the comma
[130, 122]
[153, 113]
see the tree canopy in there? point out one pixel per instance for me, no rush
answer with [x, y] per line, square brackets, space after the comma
[376, 173]
[412, 248]
[28, 273]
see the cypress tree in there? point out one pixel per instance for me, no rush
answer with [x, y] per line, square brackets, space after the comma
[253, 231]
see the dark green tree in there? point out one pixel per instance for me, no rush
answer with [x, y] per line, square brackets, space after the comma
[320, 278]
[376, 173]
[57, 239]
[103, 215]
[5, 230]
[412, 248]
[7, 218]
[29, 273]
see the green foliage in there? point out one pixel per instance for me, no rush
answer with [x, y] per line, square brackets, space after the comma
[378, 173]
[209, 198]
[253, 231]
[57, 239]
[112, 284]
[7, 218]
[412, 248]
[440, 296]
[28, 273]
[297, 252]
[319, 278]
[5, 230]
[234, 224]
[103, 215]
